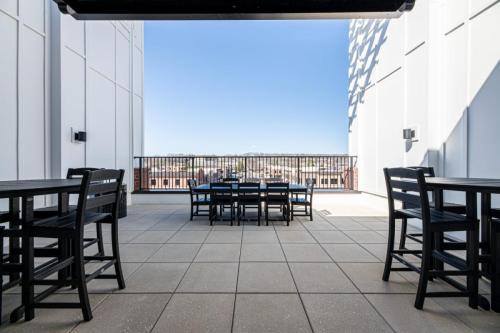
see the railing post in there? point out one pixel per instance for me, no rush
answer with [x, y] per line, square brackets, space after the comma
[351, 168]
[192, 167]
[298, 169]
[140, 174]
[246, 168]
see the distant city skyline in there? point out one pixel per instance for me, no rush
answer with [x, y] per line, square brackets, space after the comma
[235, 87]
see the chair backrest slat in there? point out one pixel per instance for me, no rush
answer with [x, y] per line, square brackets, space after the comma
[408, 186]
[99, 188]
[78, 172]
[411, 186]
[248, 189]
[100, 201]
[407, 198]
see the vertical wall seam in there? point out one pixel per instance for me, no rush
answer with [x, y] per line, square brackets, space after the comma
[116, 102]
[18, 86]
[85, 86]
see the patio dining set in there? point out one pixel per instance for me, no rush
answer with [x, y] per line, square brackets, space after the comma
[213, 199]
[454, 245]
[61, 263]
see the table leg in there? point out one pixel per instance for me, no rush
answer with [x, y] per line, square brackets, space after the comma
[486, 228]
[472, 238]
[28, 289]
[14, 242]
[439, 236]
[64, 247]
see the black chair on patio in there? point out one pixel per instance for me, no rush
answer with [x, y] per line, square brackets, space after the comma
[408, 186]
[304, 200]
[197, 200]
[449, 207]
[249, 196]
[7, 265]
[278, 196]
[221, 195]
[98, 189]
[51, 211]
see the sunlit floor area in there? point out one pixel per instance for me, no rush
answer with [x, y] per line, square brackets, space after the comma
[313, 276]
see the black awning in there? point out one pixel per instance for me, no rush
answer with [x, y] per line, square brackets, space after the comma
[232, 9]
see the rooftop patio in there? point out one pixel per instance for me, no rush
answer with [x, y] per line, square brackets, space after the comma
[316, 276]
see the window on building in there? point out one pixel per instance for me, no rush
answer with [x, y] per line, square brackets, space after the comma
[334, 181]
[314, 181]
[323, 181]
[153, 182]
[177, 182]
[165, 182]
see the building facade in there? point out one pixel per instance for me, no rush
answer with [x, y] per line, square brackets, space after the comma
[435, 71]
[58, 76]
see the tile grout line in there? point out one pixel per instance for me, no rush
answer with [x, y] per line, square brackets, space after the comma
[237, 281]
[180, 280]
[348, 277]
[294, 282]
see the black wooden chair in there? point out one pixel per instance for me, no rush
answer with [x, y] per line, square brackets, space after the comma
[221, 195]
[51, 211]
[304, 200]
[278, 196]
[409, 187]
[197, 201]
[98, 189]
[249, 196]
[447, 206]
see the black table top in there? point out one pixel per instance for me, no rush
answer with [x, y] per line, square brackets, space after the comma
[464, 184]
[33, 187]
[263, 187]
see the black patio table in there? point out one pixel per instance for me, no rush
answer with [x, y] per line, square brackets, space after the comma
[25, 191]
[472, 187]
[294, 188]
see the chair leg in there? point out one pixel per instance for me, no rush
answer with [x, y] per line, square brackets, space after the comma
[404, 227]
[232, 214]
[266, 212]
[292, 212]
[424, 271]
[287, 207]
[100, 242]
[472, 260]
[79, 276]
[310, 213]
[238, 214]
[191, 215]
[115, 245]
[259, 213]
[390, 248]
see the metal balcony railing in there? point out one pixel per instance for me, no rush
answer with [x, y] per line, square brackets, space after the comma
[170, 173]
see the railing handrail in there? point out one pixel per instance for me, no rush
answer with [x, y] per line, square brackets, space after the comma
[330, 171]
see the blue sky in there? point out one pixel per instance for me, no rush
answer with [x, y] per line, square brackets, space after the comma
[228, 87]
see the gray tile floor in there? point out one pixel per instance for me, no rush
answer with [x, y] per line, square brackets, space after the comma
[320, 276]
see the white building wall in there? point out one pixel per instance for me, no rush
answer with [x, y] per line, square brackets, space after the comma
[437, 69]
[57, 73]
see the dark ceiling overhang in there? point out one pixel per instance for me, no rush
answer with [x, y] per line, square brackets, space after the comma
[232, 9]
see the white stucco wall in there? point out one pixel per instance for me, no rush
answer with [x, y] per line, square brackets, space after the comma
[436, 68]
[57, 73]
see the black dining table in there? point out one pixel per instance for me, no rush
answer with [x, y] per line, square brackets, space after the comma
[474, 188]
[20, 194]
[294, 188]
